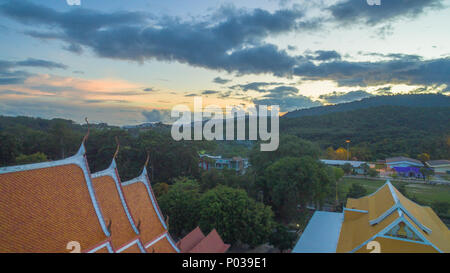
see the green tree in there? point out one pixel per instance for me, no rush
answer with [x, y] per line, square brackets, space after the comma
[292, 183]
[181, 204]
[426, 172]
[290, 145]
[28, 159]
[282, 238]
[372, 172]
[347, 167]
[235, 216]
[338, 173]
[356, 191]
[160, 189]
[9, 149]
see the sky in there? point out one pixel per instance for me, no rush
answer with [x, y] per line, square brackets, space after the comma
[129, 62]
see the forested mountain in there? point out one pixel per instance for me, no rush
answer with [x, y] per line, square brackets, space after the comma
[419, 100]
[378, 132]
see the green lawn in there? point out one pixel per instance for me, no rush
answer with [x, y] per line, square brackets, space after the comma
[426, 194]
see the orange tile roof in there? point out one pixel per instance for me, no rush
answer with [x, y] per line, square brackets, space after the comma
[45, 206]
[134, 247]
[162, 245]
[104, 247]
[212, 243]
[145, 210]
[108, 194]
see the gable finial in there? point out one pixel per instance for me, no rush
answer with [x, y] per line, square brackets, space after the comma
[118, 147]
[88, 130]
[147, 160]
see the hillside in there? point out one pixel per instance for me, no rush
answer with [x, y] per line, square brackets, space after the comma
[378, 132]
[420, 100]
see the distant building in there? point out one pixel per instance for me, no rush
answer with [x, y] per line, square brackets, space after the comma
[408, 172]
[385, 221]
[236, 163]
[402, 162]
[356, 165]
[439, 166]
[197, 242]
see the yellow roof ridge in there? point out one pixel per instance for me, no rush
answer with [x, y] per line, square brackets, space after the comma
[398, 206]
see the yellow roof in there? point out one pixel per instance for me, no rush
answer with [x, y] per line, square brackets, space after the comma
[371, 217]
[439, 235]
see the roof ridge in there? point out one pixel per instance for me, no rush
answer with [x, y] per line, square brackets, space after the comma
[143, 178]
[112, 172]
[75, 159]
[398, 206]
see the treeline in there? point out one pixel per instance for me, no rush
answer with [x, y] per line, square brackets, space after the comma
[29, 140]
[378, 132]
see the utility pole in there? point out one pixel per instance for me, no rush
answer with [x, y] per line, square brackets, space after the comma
[348, 143]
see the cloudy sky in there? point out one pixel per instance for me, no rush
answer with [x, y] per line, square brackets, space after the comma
[128, 62]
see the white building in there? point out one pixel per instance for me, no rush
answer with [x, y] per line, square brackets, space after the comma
[439, 166]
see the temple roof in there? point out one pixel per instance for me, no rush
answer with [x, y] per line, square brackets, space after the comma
[377, 215]
[115, 209]
[212, 243]
[145, 211]
[385, 217]
[197, 242]
[162, 244]
[190, 240]
[45, 206]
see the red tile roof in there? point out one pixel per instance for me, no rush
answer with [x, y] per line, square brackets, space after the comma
[196, 242]
[191, 240]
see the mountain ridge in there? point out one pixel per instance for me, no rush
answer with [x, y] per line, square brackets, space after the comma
[410, 100]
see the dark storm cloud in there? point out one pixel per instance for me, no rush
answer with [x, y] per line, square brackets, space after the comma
[232, 40]
[351, 11]
[156, 115]
[255, 86]
[13, 92]
[209, 92]
[149, 89]
[9, 74]
[384, 91]
[341, 97]
[220, 80]
[401, 70]
[282, 91]
[288, 103]
[41, 63]
[7, 81]
[233, 44]
[325, 55]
